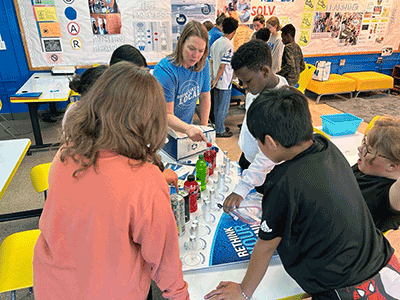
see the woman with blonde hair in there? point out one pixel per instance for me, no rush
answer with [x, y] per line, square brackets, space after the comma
[185, 77]
[275, 42]
[378, 172]
[107, 226]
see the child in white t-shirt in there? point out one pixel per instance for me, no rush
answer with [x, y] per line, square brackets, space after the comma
[221, 54]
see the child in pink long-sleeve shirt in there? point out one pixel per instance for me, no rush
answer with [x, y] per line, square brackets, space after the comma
[107, 227]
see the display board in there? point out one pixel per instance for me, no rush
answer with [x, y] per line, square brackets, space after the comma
[329, 26]
[84, 32]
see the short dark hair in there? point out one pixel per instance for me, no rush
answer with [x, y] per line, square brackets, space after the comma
[220, 19]
[253, 55]
[259, 18]
[263, 34]
[229, 25]
[128, 53]
[283, 114]
[82, 83]
[289, 29]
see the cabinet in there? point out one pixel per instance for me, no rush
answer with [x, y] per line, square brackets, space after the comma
[396, 77]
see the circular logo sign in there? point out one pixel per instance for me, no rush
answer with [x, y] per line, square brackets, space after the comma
[76, 43]
[73, 28]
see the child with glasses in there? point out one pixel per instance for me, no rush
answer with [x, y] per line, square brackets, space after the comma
[378, 172]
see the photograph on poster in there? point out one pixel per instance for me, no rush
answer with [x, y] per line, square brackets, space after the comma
[327, 24]
[350, 28]
[105, 17]
[377, 10]
[239, 9]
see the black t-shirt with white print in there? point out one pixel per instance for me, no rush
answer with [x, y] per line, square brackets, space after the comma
[328, 236]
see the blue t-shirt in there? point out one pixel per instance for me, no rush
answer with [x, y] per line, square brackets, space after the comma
[213, 35]
[182, 86]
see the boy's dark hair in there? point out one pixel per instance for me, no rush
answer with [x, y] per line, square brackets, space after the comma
[229, 25]
[263, 34]
[82, 83]
[220, 19]
[289, 29]
[253, 55]
[128, 53]
[208, 24]
[282, 114]
[259, 18]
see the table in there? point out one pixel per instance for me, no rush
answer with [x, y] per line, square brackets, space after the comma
[276, 283]
[53, 88]
[11, 154]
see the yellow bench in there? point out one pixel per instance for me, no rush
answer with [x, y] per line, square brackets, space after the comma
[337, 84]
[370, 81]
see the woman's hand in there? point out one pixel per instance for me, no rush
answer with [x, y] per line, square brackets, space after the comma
[195, 134]
[171, 177]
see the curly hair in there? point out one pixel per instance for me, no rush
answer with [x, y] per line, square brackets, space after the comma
[253, 55]
[123, 112]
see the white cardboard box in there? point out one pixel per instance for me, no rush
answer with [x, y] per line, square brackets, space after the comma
[180, 146]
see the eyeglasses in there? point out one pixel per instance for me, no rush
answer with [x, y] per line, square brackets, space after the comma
[365, 151]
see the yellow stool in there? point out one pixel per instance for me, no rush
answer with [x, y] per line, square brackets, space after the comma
[371, 81]
[305, 77]
[16, 256]
[371, 123]
[337, 84]
[39, 178]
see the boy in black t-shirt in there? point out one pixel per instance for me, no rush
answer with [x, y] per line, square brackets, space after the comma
[313, 211]
[378, 172]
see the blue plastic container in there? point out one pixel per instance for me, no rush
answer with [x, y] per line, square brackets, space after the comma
[340, 124]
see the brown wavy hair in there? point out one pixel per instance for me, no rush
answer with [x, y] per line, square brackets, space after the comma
[123, 112]
[193, 28]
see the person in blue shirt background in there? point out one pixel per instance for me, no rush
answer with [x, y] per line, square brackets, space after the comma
[185, 78]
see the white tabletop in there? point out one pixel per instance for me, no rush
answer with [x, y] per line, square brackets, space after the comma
[276, 283]
[52, 87]
[11, 154]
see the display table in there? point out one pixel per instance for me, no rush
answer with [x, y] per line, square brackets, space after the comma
[51, 89]
[205, 268]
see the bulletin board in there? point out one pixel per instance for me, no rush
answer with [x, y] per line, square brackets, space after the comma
[326, 27]
[84, 32]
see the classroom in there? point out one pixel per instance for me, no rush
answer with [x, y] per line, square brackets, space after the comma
[187, 149]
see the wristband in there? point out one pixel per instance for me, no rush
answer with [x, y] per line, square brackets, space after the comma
[244, 295]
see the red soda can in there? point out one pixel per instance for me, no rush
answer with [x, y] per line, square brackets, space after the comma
[191, 186]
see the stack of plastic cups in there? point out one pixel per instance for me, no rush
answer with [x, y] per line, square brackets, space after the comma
[212, 199]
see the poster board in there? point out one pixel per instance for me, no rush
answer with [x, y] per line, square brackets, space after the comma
[84, 32]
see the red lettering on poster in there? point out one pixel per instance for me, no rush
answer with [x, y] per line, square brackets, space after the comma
[263, 10]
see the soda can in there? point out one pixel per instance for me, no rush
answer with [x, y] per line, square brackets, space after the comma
[185, 195]
[178, 207]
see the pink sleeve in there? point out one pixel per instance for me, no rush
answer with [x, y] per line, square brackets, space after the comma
[157, 234]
